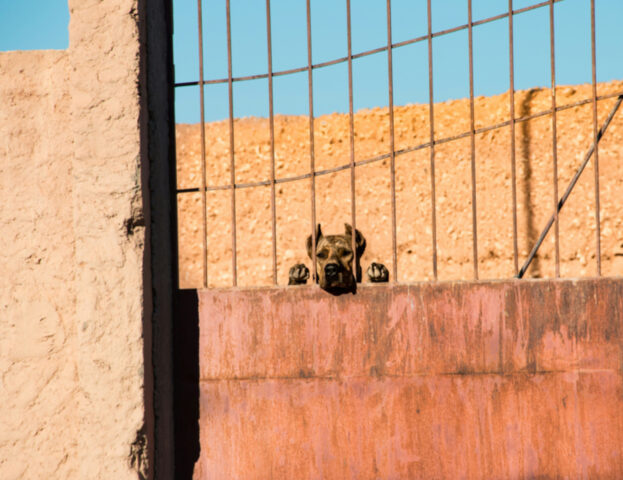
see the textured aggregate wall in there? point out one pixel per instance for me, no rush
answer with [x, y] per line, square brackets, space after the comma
[39, 393]
[72, 254]
[514, 379]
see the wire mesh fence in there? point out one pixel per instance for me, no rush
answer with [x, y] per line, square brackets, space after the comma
[416, 170]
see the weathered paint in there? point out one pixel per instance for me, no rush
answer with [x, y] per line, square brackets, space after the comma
[460, 380]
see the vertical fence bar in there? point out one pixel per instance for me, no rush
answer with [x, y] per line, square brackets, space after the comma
[234, 263]
[271, 115]
[596, 153]
[312, 159]
[511, 93]
[431, 121]
[204, 217]
[351, 123]
[392, 152]
[554, 136]
[472, 135]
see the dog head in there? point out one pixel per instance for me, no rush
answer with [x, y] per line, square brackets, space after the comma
[334, 259]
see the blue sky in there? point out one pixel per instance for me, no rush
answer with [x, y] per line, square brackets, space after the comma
[33, 24]
[39, 24]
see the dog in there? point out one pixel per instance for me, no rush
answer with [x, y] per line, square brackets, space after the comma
[334, 263]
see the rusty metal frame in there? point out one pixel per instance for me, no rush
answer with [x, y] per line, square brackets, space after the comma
[393, 153]
[392, 144]
[512, 121]
[204, 223]
[431, 120]
[596, 142]
[271, 114]
[351, 135]
[232, 159]
[472, 137]
[552, 56]
[312, 151]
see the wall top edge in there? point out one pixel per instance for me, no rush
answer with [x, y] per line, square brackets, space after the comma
[367, 287]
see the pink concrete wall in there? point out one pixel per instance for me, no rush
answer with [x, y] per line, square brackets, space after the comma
[459, 380]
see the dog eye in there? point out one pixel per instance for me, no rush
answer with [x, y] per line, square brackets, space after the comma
[321, 254]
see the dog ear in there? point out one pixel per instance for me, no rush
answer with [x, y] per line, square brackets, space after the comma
[360, 242]
[309, 240]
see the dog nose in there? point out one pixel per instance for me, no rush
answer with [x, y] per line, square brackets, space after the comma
[331, 271]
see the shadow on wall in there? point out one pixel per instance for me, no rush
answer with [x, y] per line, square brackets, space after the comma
[186, 382]
[526, 181]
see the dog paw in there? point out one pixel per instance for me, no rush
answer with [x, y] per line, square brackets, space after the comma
[299, 274]
[377, 273]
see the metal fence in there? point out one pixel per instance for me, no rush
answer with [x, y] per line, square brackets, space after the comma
[557, 201]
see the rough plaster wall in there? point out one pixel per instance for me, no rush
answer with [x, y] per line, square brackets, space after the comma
[106, 199]
[38, 368]
[71, 253]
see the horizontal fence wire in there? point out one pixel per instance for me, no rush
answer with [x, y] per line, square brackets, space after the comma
[369, 52]
[403, 151]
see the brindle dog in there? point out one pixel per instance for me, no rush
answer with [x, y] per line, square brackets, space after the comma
[334, 263]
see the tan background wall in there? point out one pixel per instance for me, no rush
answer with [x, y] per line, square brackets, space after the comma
[72, 254]
[534, 160]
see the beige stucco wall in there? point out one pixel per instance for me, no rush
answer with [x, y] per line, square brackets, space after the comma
[73, 273]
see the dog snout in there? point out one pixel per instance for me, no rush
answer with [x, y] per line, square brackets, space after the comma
[331, 271]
